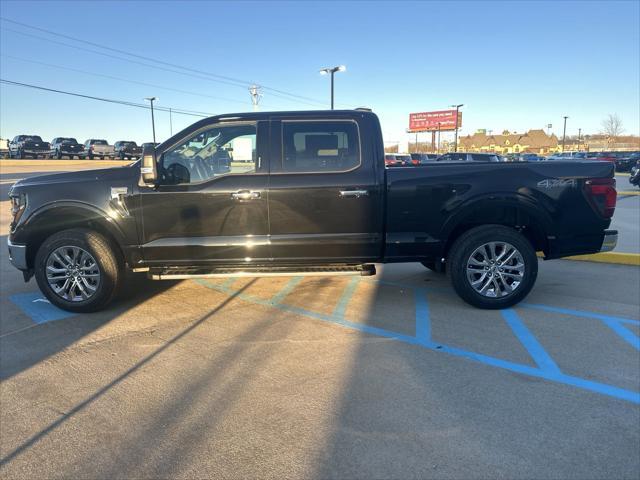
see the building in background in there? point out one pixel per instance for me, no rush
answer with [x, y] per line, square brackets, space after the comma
[534, 141]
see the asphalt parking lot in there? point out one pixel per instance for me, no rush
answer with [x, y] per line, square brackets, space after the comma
[390, 376]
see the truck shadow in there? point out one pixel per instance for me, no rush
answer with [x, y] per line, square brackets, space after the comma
[25, 343]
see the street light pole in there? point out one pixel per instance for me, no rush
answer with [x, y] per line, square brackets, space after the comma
[438, 151]
[332, 71]
[170, 123]
[153, 123]
[457, 107]
[564, 132]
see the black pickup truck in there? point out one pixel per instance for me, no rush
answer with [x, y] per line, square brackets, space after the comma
[303, 193]
[126, 150]
[23, 146]
[65, 147]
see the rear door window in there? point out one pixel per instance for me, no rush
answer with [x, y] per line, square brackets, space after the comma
[319, 146]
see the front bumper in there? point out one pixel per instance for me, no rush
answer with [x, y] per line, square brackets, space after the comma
[610, 240]
[17, 255]
[64, 151]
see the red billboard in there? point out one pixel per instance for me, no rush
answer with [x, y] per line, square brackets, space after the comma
[434, 121]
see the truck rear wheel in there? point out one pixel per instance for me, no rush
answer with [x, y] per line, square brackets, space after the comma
[492, 266]
[78, 270]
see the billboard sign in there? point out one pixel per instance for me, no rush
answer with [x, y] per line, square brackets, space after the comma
[442, 120]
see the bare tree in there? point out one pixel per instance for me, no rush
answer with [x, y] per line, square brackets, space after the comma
[612, 125]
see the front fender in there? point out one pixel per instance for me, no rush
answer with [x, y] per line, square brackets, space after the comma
[57, 216]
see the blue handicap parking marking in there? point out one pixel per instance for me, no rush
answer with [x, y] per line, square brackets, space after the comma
[546, 367]
[38, 308]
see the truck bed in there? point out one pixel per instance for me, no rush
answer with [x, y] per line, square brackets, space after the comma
[426, 204]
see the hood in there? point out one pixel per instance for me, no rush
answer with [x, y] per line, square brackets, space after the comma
[113, 174]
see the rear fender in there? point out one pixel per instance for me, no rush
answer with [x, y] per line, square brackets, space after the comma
[509, 209]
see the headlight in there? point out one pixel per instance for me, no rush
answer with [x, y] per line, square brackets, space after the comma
[18, 205]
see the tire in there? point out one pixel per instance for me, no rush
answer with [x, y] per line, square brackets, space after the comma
[461, 267]
[58, 155]
[20, 155]
[105, 262]
[90, 157]
[81, 157]
[121, 156]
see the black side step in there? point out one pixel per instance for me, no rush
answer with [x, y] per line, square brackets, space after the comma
[182, 273]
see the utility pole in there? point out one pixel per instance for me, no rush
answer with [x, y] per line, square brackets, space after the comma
[170, 123]
[256, 95]
[438, 137]
[332, 71]
[153, 123]
[579, 133]
[455, 144]
[564, 132]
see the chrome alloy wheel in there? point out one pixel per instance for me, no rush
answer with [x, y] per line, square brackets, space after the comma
[72, 273]
[495, 269]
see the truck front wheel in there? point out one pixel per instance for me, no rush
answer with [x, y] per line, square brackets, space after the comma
[78, 270]
[492, 266]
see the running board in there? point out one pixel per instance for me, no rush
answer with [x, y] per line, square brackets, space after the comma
[181, 273]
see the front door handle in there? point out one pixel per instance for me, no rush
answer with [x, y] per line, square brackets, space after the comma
[354, 193]
[245, 195]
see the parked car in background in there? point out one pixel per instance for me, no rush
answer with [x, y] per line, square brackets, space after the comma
[626, 160]
[125, 149]
[530, 157]
[95, 148]
[423, 158]
[4, 147]
[397, 159]
[146, 144]
[23, 146]
[65, 147]
[634, 178]
[470, 157]
[561, 156]
[522, 157]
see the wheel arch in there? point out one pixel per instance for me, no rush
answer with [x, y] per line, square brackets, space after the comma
[52, 218]
[517, 212]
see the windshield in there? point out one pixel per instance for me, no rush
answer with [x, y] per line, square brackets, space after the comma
[32, 138]
[99, 142]
[68, 140]
[130, 144]
[404, 158]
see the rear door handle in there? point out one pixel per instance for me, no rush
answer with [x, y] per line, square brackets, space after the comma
[245, 195]
[354, 193]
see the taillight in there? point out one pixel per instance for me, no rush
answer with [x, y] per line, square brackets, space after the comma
[601, 193]
[415, 162]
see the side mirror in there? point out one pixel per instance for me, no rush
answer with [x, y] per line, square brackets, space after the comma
[148, 167]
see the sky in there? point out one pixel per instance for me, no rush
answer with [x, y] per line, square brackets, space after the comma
[514, 65]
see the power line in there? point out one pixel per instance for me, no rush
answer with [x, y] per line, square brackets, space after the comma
[157, 67]
[187, 92]
[227, 79]
[192, 113]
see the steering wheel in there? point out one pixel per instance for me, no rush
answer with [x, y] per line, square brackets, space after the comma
[176, 173]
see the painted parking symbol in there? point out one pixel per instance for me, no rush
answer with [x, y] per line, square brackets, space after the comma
[545, 366]
[38, 308]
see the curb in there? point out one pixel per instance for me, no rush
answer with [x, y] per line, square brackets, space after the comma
[63, 163]
[625, 193]
[617, 258]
